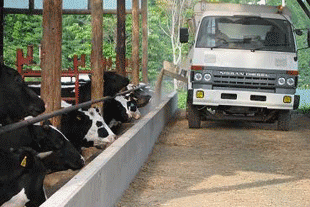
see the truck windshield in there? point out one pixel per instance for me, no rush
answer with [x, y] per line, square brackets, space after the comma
[244, 32]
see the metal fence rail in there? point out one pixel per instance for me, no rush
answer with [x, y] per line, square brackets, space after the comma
[59, 112]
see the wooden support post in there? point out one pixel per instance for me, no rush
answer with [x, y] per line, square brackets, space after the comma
[51, 56]
[120, 47]
[144, 42]
[135, 42]
[96, 54]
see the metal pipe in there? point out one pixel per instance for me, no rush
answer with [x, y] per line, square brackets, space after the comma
[59, 112]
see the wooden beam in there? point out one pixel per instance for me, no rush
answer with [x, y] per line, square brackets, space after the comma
[96, 53]
[121, 47]
[135, 42]
[51, 56]
[144, 10]
[175, 76]
[65, 11]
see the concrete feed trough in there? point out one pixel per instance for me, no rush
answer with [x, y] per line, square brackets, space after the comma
[103, 181]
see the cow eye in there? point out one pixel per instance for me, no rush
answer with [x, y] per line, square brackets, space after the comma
[79, 118]
[91, 113]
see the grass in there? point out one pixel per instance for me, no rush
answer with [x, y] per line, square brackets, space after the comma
[305, 109]
[182, 96]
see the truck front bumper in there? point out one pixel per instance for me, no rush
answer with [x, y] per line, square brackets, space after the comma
[245, 99]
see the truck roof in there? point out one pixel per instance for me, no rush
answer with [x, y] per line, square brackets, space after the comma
[203, 8]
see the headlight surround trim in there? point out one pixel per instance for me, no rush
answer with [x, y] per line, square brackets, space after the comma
[197, 76]
[207, 77]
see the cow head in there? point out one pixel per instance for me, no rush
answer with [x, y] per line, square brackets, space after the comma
[130, 105]
[99, 133]
[115, 110]
[75, 125]
[86, 129]
[17, 100]
[142, 95]
[21, 178]
[59, 153]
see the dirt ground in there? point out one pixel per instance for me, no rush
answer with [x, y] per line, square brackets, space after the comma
[226, 164]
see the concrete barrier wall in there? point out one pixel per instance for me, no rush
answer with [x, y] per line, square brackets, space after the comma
[103, 181]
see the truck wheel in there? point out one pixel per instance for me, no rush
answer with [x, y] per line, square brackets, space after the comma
[193, 117]
[284, 119]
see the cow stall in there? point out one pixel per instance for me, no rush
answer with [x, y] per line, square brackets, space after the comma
[103, 181]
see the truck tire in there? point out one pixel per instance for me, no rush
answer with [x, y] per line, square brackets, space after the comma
[193, 117]
[284, 119]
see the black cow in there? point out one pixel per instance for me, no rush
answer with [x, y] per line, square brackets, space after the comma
[86, 129]
[56, 151]
[17, 100]
[21, 178]
[113, 83]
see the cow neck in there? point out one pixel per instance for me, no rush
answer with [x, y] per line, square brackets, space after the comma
[34, 136]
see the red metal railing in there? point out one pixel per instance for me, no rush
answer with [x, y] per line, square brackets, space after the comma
[28, 60]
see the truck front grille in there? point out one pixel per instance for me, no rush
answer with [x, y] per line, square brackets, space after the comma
[257, 81]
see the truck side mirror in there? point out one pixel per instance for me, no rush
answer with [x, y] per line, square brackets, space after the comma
[184, 35]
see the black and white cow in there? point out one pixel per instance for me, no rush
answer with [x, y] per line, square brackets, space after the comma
[114, 113]
[121, 109]
[21, 178]
[142, 96]
[129, 102]
[55, 150]
[113, 83]
[17, 100]
[86, 128]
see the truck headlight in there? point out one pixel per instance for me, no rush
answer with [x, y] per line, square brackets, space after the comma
[207, 77]
[197, 77]
[290, 81]
[281, 81]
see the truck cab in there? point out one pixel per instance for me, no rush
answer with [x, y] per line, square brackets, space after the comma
[243, 64]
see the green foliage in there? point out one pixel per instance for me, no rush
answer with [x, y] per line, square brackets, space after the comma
[21, 30]
[305, 109]
[182, 97]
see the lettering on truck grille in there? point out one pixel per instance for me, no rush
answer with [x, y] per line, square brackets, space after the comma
[244, 79]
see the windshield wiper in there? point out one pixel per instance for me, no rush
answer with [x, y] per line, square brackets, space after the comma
[219, 45]
[216, 46]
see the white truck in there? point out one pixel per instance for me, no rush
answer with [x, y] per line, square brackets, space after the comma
[242, 65]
